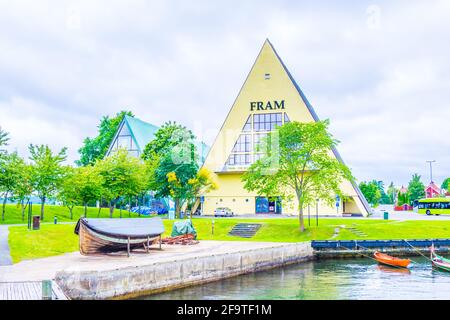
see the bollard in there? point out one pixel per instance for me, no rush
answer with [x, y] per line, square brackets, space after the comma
[47, 290]
[55, 219]
[36, 222]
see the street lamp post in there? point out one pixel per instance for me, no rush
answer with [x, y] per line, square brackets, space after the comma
[431, 168]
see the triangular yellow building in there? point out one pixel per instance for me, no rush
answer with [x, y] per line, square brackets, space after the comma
[269, 97]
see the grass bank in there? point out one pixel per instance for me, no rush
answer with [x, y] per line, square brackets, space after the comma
[58, 239]
[13, 213]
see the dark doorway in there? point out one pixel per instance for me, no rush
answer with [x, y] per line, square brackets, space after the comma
[266, 205]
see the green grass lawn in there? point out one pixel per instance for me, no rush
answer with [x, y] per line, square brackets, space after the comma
[13, 213]
[57, 239]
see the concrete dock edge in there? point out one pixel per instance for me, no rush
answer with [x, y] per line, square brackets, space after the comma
[131, 282]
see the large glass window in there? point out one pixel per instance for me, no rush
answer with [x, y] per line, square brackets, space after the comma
[267, 121]
[244, 143]
[257, 126]
[239, 159]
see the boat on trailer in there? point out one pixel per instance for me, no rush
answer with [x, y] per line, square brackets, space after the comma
[391, 261]
[103, 236]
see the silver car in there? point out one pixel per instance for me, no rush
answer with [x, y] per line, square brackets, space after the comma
[223, 212]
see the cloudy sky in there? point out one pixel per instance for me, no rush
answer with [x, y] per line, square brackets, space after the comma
[379, 70]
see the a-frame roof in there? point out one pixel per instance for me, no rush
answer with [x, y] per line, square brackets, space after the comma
[144, 132]
[316, 118]
[267, 52]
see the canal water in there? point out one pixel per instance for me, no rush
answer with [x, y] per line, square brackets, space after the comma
[326, 279]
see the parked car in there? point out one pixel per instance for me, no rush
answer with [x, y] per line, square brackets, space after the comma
[223, 212]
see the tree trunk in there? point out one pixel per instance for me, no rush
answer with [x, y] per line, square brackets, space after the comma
[4, 206]
[177, 209]
[112, 204]
[42, 208]
[22, 207]
[71, 212]
[300, 218]
[85, 209]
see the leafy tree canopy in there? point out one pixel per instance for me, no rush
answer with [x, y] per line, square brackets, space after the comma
[416, 189]
[371, 191]
[298, 161]
[11, 172]
[3, 138]
[446, 184]
[122, 175]
[47, 171]
[95, 148]
[173, 156]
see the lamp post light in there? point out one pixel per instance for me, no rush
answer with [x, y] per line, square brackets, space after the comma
[431, 168]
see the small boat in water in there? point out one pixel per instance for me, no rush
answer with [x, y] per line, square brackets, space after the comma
[439, 262]
[391, 261]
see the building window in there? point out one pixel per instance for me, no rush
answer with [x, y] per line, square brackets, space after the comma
[248, 125]
[239, 159]
[246, 149]
[267, 76]
[243, 144]
[267, 121]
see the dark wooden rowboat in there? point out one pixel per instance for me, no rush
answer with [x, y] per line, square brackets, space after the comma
[391, 261]
[102, 236]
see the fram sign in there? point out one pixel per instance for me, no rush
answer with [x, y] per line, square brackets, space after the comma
[269, 105]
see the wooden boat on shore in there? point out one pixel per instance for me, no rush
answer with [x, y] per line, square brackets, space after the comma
[391, 261]
[439, 262]
[102, 236]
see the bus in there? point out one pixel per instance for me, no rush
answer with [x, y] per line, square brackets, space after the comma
[434, 206]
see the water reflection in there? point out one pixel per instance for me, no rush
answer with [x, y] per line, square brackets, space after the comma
[326, 280]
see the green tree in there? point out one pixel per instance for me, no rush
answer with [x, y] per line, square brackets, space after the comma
[11, 168]
[89, 184]
[371, 191]
[384, 199]
[23, 189]
[403, 198]
[392, 193]
[95, 148]
[446, 184]
[298, 161]
[122, 175]
[201, 184]
[173, 155]
[416, 189]
[68, 189]
[3, 139]
[47, 171]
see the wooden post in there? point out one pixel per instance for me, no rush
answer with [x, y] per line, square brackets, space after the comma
[128, 247]
[160, 241]
[47, 290]
[148, 244]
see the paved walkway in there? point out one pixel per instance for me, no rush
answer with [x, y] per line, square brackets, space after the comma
[5, 257]
[46, 268]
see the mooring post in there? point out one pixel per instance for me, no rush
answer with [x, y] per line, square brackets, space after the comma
[148, 244]
[128, 247]
[47, 290]
[160, 241]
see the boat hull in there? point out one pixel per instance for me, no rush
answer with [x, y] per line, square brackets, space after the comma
[391, 261]
[93, 241]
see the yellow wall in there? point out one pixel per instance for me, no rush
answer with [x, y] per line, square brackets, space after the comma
[256, 88]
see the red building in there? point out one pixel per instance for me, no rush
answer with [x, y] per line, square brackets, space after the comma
[432, 190]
